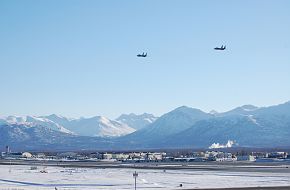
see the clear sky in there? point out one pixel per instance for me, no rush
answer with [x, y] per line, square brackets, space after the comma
[78, 58]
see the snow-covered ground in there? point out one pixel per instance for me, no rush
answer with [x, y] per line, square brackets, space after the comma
[23, 178]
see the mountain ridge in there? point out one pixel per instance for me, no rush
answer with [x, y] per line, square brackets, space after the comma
[248, 126]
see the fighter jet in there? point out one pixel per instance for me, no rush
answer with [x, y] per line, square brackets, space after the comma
[220, 48]
[142, 55]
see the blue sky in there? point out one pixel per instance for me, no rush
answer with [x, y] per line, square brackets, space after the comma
[78, 58]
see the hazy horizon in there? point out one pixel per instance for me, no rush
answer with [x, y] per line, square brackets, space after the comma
[78, 58]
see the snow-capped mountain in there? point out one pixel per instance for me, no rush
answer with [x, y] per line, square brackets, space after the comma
[61, 120]
[32, 121]
[137, 121]
[247, 131]
[242, 110]
[95, 126]
[170, 123]
[98, 126]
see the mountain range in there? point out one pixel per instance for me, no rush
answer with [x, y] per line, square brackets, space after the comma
[98, 126]
[183, 127]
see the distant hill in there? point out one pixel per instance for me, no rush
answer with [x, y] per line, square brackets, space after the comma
[39, 138]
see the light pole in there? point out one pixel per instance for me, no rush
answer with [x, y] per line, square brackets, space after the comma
[135, 175]
[10, 166]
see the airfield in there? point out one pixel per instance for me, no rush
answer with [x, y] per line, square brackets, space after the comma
[24, 175]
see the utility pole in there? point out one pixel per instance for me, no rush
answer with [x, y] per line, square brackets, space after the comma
[135, 175]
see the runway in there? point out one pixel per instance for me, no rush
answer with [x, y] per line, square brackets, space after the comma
[118, 176]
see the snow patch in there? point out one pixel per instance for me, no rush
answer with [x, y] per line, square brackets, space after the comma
[252, 119]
